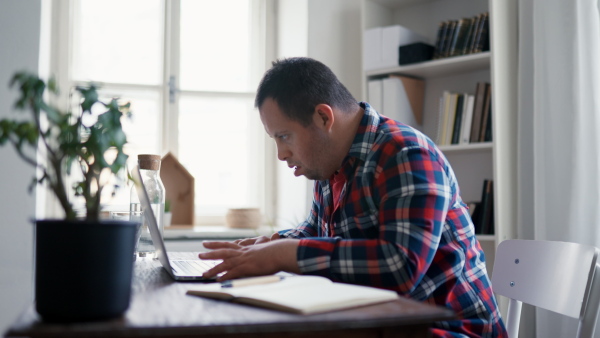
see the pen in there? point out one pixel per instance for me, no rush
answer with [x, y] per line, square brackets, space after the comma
[250, 281]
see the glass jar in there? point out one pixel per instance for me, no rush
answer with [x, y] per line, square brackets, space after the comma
[150, 172]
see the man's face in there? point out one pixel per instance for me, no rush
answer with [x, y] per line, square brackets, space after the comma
[303, 148]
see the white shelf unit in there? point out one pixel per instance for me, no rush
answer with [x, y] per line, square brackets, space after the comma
[439, 68]
[472, 163]
[467, 148]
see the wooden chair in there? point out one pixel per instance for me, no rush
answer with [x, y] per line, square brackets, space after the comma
[557, 276]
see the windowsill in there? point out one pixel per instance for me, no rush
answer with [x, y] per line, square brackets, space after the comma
[179, 232]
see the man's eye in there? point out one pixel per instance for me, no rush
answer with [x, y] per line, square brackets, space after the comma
[283, 137]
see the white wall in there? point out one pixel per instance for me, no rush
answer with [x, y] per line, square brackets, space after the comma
[293, 194]
[328, 31]
[19, 50]
[334, 38]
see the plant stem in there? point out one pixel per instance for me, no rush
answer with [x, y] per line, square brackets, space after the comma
[58, 187]
[23, 156]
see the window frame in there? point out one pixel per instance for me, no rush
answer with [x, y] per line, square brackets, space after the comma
[60, 61]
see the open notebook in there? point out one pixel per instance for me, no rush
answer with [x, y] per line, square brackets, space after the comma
[298, 294]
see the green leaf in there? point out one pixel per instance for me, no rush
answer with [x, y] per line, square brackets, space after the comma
[53, 114]
[43, 178]
[119, 163]
[79, 188]
[32, 185]
[69, 141]
[53, 86]
[90, 97]
[6, 129]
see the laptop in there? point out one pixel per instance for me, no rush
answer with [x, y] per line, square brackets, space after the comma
[178, 269]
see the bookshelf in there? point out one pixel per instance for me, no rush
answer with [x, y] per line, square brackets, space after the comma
[473, 162]
[467, 148]
[439, 68]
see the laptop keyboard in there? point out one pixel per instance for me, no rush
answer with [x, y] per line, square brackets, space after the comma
[193, 267]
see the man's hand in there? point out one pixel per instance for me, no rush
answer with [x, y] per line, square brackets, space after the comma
[254, 260]
[257, 240]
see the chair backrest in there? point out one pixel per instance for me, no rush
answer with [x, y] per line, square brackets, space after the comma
[556, 276]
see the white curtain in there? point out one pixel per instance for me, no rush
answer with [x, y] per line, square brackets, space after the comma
[559, 130]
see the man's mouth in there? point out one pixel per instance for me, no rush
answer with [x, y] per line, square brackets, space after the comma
[296, 170]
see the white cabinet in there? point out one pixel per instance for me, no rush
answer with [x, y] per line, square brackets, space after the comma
[473, 162]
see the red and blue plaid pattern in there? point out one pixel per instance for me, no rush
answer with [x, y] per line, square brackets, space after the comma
[401, 225]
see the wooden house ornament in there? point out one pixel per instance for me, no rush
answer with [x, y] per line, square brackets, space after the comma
[179, 188]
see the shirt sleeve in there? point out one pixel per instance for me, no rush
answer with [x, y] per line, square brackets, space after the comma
[411, 195]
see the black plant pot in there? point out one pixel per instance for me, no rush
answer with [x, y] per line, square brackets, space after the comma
[83, 269]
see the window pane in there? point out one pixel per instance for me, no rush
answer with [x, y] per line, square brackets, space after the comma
[220, 45]
[118, 41]
[143, 132]
[220, 144]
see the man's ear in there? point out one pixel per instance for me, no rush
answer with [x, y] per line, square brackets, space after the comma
[323, 117]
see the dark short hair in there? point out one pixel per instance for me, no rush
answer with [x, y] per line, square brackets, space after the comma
[299, 84]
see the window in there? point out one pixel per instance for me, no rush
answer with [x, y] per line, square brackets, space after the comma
[190, 69]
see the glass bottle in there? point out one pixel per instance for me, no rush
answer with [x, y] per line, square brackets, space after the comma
[150, 172]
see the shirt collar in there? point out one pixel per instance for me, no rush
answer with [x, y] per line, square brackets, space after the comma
[365, 135]
[363, 141]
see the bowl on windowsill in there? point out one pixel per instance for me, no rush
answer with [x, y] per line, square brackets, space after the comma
[243, 218]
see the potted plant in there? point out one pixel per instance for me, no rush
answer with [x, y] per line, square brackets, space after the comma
[83, 265]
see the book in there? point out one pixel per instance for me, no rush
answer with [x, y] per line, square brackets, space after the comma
[487, 205]
[440, 121]
[490, 224]
[488, 128]
[439, 43]
[298, 294]
[482, 34]
[474, 211]
[451, 117]
[477, 25]
[463, 36]
[460, 36]
[458, 119]
[449, 36]
[470, 35]
[480, 92]
[487, 108]
[484, 43]
[444, 124]
[465, 131]
[472, 206]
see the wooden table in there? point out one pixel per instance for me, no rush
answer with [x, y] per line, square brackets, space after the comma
[160, 308]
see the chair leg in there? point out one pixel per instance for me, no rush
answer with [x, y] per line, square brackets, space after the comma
[587, 322]
[513, 318]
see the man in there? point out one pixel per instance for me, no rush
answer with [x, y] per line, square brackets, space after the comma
[386, 210]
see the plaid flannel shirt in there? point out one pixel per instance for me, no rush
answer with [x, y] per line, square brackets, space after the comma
[401, 225]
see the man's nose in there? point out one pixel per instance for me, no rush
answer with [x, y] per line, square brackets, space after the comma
[282, 152]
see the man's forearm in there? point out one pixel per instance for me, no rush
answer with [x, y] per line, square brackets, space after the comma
[285, 254]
